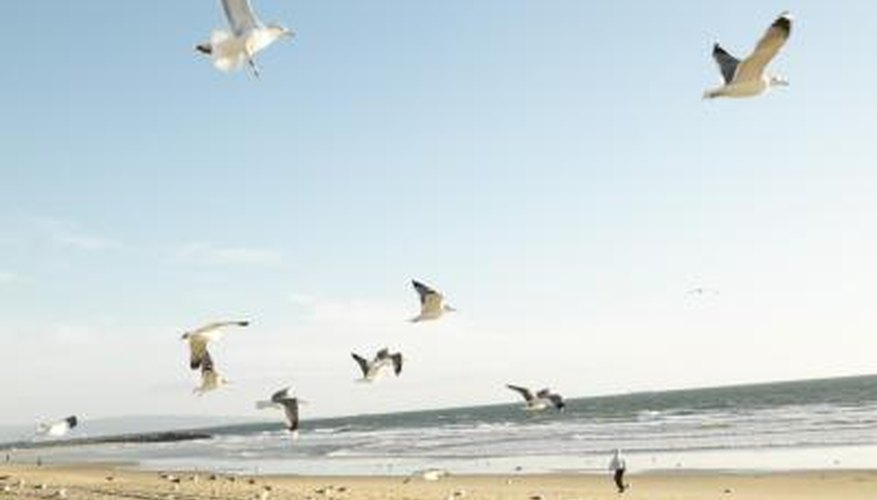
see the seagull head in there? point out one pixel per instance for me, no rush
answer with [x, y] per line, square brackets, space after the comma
[186, 336]
[448, 308]
[276, 31]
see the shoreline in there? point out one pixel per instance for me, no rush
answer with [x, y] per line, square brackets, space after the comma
[93, 481]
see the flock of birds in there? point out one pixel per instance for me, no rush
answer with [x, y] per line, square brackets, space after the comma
[432, 307]
[231, 50]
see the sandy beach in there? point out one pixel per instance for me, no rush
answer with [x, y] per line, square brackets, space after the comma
[104, 482]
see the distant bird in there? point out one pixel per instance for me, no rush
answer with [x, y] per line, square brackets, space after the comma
[702, 291]
[383, 360]
[59, 428]
[747, 78]
[282, 400]
[248, 37]
[210, 378]
[541, 400]
[432, 304]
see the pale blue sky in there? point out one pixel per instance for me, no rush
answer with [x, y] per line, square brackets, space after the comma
[549, 165]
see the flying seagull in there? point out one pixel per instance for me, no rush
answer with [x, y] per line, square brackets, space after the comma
[374, 369]
[199, 357]
[541, 400]
[200, 337]
[289, 404]
[59, 428]
[432, 304]
[248, 37]
[210, 378]
[747, 78]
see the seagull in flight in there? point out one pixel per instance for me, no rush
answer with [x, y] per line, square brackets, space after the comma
[248, 37]
[289, 404]
[199, 356]
[747, 78]
[59, 428]
[374, 369]
[541, 400]
[432, 304]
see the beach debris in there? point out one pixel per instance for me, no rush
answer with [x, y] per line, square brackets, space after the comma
[62, 493]
[212, 477]
[251, 481]
[110, 479]
[432, 304]
[41, 487]
[537, 497]
[194, 478]
[457, 494]
[434, 474]
[7, 488]
[341, 489]
[728, 491]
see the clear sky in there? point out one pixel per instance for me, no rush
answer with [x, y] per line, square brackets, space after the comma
[549, 165]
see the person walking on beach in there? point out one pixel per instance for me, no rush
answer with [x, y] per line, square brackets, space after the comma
[617, 465]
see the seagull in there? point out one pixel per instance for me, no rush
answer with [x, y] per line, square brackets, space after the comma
[199, 338]
[289, 404]
[746, 78]
[374, 369]
[248, 37]
[210, 378]
[541, 400]
[431, 303]
[199, 357]
[59, 428]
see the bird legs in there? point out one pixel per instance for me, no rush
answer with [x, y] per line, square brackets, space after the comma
[253, 67]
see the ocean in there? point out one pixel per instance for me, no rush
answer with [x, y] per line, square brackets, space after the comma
[816, 424]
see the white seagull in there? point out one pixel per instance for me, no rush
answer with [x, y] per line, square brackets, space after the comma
[199, 357]
[541, 400]
[432, 304]
[289, 404]
[59, 428]
[374, 369]
[210, 378]
[248, 37]
[747, 78]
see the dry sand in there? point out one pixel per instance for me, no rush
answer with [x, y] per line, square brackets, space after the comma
[106, 482]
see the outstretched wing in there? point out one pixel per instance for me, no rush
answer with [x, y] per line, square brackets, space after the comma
[770, 44]
[523, 391]
[397, 362]
[727, 63]
[280, 396]
[216, 325]
[424, 292]
[362, 362]
[240, 16]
